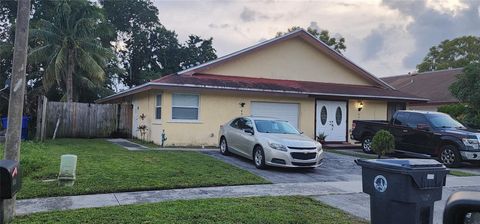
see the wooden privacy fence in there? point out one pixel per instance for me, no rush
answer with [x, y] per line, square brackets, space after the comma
[83, 120]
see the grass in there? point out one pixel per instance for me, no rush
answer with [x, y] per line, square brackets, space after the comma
[144, 143]
[104, 167]
[459, 173]
[353, 153]
[293, 209]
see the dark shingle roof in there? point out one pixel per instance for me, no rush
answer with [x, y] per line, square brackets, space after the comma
[431, 85]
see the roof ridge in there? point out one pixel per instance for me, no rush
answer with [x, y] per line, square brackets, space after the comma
[289, 80]
[423, 73]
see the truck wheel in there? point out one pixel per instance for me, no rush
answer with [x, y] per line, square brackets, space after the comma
[449, 156]
[367, 144]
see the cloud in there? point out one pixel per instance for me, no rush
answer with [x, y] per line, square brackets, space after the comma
[219, 26]
[375, 42]
[429, 26]
[249, 15]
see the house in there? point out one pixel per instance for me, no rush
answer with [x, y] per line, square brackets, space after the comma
[430, 85]
[294, 77]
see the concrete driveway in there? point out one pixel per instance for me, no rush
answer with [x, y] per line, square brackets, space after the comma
[335, 168]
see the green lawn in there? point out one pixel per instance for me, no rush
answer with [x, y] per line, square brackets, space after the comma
[353, 153]
[460, 173]
[241, 210]
[144, 143]
[104, 167]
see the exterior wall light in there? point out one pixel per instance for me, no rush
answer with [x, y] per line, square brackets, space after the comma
[360, 106]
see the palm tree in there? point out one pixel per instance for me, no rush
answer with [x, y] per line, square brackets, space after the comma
[69, 47]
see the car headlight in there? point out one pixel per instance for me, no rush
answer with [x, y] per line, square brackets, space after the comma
[319, 146]
[471, 143]
[277, 146]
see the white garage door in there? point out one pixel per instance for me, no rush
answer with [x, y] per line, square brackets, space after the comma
[283, 111]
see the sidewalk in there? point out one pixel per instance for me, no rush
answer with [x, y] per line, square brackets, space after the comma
[29, 206]
[345, 195]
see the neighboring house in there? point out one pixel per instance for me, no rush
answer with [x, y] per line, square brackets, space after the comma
[430, 85]
[294, 77]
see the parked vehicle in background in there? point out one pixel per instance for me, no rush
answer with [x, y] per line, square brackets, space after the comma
[269, 142]
[424, 132]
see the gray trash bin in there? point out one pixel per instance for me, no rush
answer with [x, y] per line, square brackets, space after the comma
[402, 190]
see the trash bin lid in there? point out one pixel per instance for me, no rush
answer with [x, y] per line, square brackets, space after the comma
[401, 164]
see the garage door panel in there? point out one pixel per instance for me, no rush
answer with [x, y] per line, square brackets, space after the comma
[282, 111]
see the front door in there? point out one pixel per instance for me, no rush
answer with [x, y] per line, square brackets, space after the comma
[135, 118]
[332, 120]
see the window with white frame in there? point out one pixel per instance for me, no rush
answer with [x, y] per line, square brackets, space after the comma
[185, 106]
[158, 107]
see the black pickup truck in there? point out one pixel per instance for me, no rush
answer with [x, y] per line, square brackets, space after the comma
[432, 133]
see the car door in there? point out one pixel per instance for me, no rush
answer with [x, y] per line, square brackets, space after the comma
[246, 140]
[232, 136]
[419, 135]
[399, 129]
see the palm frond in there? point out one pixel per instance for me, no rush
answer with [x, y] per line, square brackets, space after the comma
[45, 35]
[61, 61]
[41, 54]
[83, 27]
[92, 69]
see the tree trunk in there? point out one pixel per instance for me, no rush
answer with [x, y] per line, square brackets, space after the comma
[15, 104]
[69, 84]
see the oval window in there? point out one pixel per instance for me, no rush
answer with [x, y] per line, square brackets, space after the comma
[338, 115]
[323, 115]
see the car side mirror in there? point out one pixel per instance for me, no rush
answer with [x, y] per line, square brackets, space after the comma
[249, 130]
[462, 207]
[423, 127]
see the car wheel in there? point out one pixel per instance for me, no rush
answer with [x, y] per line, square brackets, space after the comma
[367, 145]
[259, 158]
[449, 156]
[224, 147]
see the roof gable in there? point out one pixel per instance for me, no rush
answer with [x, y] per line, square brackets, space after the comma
[294, 56]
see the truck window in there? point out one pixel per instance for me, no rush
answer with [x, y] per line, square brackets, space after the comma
[415, 119]
[401, 119]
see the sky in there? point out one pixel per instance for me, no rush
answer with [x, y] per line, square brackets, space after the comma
[386, 37]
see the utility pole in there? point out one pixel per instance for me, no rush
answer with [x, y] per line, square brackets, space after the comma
[15, 104]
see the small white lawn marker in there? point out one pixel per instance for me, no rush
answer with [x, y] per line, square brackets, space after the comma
[68, 167]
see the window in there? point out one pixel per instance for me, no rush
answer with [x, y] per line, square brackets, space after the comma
[158, 107]
[185, 107]
[416, 119]
[244, 124]
[401, 119]
[323, 115]
[277, 127]
[338, 116]
[234, 123]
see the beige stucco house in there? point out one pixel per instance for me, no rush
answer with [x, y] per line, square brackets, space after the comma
[294, 77]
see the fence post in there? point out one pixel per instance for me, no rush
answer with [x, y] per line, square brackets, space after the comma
[39, 119]
[44, 119]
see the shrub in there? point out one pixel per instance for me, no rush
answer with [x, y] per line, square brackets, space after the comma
[383, 142]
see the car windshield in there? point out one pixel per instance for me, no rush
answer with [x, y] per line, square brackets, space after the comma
[443, 121]
[272, 126]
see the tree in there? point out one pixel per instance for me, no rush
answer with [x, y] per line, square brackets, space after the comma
[456, 53]
[147, 49]
[69, 45]
[466, 89]
[338, 44]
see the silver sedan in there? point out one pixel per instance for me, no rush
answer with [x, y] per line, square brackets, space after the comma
[269, 141]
